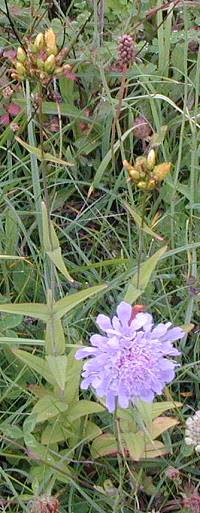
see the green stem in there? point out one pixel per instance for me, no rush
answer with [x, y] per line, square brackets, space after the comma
[141, 240]
[34, 164]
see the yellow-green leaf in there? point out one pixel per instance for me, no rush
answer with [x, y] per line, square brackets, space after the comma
[52, 246]
[68, 302]
[161, 407]
[58, 366]
[146, 270]
[161, 424]
[135, 444]
[104, 445]
[142, 225]
[42, 155]
[36, 363]
[82, 408]
[48, 407]
[35, 310]
[155, 450]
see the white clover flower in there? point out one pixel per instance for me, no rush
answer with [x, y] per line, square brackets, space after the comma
[192, 433]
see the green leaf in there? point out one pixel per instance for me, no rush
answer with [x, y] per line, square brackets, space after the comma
[48, 407]
[57, 366]
[146, 271]
[11, 431]
[35, 363]
[55, 433]
[54, 336]
[72, 378]
[135, 444]
[91, 431]
[82, 408]
[42, 155]
[104, 445]
[142, 225]
[69, 302]
[35, 310]
[51, 244]
[161, 407]
[104, 164]
[145, 413]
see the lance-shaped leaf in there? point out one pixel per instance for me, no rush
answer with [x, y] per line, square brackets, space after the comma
[35, 310]
[104, 445]
[42, 155]
[52, 246]
[141, 224]
[68, 302]
[58, 366]
[146, 270]
[35, 363]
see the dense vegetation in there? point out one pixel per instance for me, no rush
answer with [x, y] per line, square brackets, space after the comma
[100, 199]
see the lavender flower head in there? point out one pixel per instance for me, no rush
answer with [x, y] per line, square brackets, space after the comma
[129, 363]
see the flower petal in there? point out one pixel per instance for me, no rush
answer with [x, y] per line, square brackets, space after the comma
[83, 353]
[103, 322]
[124, 313]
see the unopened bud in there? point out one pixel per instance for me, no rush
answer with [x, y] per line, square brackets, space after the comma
[151, 159]
[39, 42]
[20, 69]
[141, 164]
[142, 185]
[161, 171]
[151, 184]
[50, 40]
[50, 63]
[21, 55]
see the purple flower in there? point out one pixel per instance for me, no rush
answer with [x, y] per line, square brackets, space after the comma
[129, 363]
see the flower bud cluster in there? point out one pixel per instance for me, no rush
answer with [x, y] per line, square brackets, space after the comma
[126, 50]
[39, 59]
[145, 173]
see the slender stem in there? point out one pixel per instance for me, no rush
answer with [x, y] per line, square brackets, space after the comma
[141, 240]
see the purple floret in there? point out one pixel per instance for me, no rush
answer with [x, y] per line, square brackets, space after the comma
[129, 363]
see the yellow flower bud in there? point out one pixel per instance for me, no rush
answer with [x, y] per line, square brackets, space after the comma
[142, 185]
[39, 42]
[21, 55]
[141, 166]
[50, 40]
[151, 159]
[134, 174]
[21, 71]
[151, 184]
[50, 63]
[161, 171]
